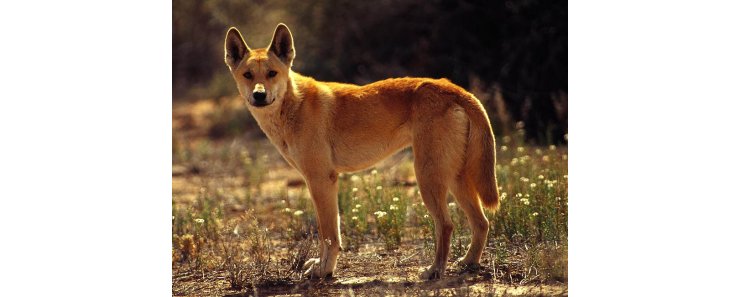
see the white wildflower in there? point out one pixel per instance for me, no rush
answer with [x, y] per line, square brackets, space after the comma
[355, 178]
[380, 214]
[298, 213]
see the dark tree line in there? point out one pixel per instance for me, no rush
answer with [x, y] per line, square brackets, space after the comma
[516, 48]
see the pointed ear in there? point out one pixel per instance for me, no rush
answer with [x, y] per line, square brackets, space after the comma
[235, 49]
[282, 44]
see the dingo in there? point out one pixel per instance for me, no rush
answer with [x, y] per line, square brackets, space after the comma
[324, 128]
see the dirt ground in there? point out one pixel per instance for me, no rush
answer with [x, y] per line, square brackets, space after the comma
[371, 271]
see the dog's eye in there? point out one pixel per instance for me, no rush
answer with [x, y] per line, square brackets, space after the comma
[271, 73]
[248, 75]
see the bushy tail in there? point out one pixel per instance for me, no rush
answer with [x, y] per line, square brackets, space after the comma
[480, 163]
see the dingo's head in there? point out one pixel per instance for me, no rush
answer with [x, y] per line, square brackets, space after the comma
[262, 75]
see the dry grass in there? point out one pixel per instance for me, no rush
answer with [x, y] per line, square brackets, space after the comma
[243, 222]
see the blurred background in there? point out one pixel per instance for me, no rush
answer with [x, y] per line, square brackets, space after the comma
[511, 54]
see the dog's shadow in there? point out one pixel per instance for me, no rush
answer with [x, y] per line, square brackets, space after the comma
[337, 286]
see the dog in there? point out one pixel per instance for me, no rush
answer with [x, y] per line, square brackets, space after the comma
[326, 128]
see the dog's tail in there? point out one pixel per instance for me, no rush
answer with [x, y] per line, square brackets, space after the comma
[480, 159]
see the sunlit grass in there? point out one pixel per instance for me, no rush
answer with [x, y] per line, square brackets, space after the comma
[233, 215]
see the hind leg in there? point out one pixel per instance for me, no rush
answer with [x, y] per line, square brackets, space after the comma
[439, 148]
[467, 198]
[433, 194]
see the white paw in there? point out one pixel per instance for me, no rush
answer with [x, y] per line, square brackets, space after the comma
[432, 273]
[310, 263]
[312, 269]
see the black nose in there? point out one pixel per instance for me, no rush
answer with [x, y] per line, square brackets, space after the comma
[259, 96]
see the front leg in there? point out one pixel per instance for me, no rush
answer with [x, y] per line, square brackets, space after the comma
[324, 189]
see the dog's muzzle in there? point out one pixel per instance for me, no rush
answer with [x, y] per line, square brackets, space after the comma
[260, 95]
